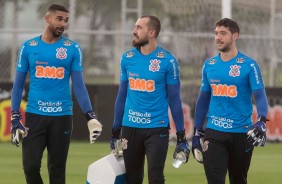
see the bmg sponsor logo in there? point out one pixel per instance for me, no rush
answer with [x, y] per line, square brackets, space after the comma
[224, 90]
[50, 72]
[141, 84]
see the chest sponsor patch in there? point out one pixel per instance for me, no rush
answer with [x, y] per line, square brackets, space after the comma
[141, 84]
[224, 90]
[129, 54]
[67, 43]
[49, 72]
[32, 43]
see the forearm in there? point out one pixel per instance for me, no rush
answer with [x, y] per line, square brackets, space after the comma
[17, 90]
[175, 105]
[201, 109]
[261, 102]
[80, 92]
[119, 105]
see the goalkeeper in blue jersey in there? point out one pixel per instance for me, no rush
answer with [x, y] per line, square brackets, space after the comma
[149, 83]
[51, 60]
[229, 80]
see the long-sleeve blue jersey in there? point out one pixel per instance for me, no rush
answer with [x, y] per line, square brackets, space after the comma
[146, 103]
[231, 85]
[50, 67]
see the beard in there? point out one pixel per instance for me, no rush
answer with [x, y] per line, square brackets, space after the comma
[225, 48]
[56, 32]
[140, 42]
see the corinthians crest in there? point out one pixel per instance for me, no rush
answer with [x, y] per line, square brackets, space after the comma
[61, 53]
[155, 65]
[234, 70]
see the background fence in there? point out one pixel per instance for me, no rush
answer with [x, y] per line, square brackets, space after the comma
[103, 28]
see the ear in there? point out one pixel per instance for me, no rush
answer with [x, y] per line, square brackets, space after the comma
[47, 18]
[235, 36]
[152, 33]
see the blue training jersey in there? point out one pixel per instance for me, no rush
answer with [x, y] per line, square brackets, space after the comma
[231, 84]
[146, 103]
[50, 67]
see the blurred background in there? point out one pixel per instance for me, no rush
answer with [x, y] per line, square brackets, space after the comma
[103, 29]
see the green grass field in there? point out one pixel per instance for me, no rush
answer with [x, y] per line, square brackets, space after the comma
[266, 165]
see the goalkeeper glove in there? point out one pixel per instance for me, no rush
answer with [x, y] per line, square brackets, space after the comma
[182, 146]
[197, 146]
[17, 128]
[117, 145]
[114, 138]
[257, 133]
[94, 126]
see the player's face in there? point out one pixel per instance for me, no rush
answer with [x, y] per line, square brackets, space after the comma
[140, 33]
[224, 39]
[57, 22]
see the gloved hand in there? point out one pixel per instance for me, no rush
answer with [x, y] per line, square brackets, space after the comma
[196, 145]
[114, 138]
[17, 128]
[257, 133]
[117, 145]
[94, 126]
[181, 146]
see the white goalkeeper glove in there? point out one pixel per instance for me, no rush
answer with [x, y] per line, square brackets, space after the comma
[94, 126]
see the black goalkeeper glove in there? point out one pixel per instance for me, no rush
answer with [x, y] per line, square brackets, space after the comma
[182, 146]
[117, 145]
[114, 138]
[257, 133]
[17, 128]
[197, 149]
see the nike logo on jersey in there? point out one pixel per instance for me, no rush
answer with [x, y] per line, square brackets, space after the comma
[163, 135]
[67, 132]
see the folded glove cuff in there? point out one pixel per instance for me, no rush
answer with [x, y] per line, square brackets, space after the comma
[115, 133]
[263, 119]
[197, 132]
[90, 115]
[16, 115]
[15, 112]
[181, 137]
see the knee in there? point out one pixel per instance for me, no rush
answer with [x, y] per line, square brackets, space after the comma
[156, 176]
[31, 166]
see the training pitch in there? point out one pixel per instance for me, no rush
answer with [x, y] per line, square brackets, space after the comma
[266, 166]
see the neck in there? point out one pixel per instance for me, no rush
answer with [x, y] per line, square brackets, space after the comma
[226, 56]
[49, 38]
[149, 48]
